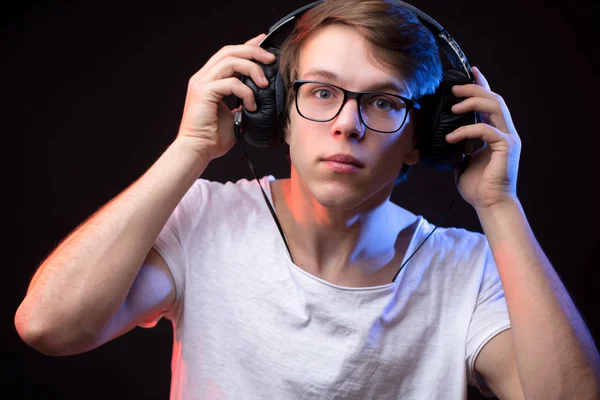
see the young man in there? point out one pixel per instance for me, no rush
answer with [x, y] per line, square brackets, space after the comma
[334, 323]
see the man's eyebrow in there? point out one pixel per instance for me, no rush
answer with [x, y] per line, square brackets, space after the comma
[332, 77]
[321, 73]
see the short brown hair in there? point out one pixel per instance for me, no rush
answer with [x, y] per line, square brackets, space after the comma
[398, 39]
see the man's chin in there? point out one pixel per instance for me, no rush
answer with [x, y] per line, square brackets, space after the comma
[343, 196]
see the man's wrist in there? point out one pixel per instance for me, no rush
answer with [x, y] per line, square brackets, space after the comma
[503, 220]
[188, 147]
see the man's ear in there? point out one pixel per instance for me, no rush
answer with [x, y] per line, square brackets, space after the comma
[412, 156]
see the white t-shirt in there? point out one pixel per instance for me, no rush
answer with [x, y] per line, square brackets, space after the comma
[250, 324]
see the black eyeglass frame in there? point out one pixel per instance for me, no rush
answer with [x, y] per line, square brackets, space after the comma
[348, 94]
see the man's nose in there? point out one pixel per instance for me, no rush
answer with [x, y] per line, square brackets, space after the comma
[348, 121]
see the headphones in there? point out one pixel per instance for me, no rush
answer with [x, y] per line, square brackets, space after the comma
[264, 127]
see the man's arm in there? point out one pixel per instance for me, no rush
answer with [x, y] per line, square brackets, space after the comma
[497, 365]
[93, 287]
[554, 353]
[79, 297]
[548, 346]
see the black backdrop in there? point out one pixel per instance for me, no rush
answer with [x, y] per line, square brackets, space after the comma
[93, 93]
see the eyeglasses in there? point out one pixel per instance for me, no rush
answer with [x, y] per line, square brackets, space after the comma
[380, 112]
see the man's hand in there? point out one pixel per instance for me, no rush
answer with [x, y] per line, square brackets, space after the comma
[207, 121]
[491, 177]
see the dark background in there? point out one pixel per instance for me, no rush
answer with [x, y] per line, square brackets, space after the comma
[93, 93]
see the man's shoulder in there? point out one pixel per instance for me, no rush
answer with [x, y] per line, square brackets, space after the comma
[217, 195]
[458, 243]
[230, 188]
[426, 225]
[440, 236]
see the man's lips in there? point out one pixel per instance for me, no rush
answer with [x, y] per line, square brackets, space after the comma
[345, 159]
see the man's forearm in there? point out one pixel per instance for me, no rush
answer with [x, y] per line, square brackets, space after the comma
[556, 355]
[83, 282]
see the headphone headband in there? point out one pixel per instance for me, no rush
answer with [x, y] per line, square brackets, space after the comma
[449, 46]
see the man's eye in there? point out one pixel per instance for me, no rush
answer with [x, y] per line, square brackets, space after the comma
[385, 103]
[323, 94]
[382, 104]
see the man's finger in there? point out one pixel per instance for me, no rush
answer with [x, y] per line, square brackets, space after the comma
[256, 40]
[480, 79]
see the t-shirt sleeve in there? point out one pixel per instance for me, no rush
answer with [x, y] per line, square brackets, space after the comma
[489, 318]
[173, 241]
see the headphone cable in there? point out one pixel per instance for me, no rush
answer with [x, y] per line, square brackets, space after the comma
[236, 128]
[461, 168]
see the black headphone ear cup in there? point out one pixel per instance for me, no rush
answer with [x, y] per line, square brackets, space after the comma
[437, 120]
[264, 127]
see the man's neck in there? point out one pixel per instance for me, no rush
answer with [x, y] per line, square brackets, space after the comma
[357, 247]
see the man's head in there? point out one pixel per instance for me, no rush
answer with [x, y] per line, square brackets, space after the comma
[359, 46]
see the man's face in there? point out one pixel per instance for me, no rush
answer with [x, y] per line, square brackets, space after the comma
[337, 54]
